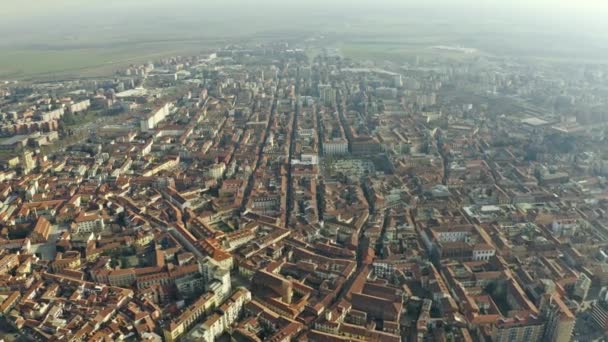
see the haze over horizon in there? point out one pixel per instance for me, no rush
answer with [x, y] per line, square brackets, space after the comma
[38, 32]
[32, 21]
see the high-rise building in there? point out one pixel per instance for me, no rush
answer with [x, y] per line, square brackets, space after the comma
[397, 81]
[152, 119]
[27, 162]
[327, 94]
[560, 320]
[582, 286]
[599, 310]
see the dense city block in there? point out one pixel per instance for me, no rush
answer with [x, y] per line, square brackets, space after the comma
[270, 192]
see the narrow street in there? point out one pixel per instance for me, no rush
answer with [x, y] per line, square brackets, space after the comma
[260, 156]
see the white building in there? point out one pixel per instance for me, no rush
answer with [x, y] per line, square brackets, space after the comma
[483, 252]
[151, 120]
[453, 236]
[564, 227]
[306, 159]
[87, 223]
[216, 171]
[79, 106]
[51, 115]
[222, 319]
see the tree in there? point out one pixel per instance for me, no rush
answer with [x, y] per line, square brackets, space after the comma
[122, 219]
[498, 291]
[124, 262]
[530, 153]
[69, 119]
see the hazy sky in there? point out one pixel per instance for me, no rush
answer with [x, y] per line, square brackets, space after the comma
[583, 12]
[24, 9]
[30, 6]
[51, 21]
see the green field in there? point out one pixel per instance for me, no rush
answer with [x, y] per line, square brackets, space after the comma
[397, 52]
[393, 37]
[89, 61]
